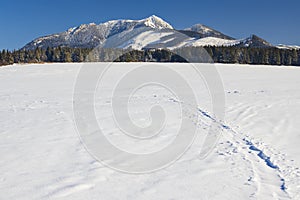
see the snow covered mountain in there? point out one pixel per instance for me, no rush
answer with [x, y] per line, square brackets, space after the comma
[205, 31]
[151, 32]
[91, 35]
[255, 41]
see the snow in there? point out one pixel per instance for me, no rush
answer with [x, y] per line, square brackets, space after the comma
[209, 41]
[156, 22]
[152, 21]
[201, 29]
[257, 156]
[141, 38]
[282, 46]
[144, 39]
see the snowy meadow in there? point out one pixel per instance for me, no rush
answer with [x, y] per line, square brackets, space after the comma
[156, 141]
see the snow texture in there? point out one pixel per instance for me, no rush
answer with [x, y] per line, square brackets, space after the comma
[257, 156]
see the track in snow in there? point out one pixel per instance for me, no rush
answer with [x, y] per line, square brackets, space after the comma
[241, 143]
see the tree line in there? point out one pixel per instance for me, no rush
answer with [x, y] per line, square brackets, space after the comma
[264, 56]
[242, 55]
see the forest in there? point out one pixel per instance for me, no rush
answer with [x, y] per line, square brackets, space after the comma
[232, 54]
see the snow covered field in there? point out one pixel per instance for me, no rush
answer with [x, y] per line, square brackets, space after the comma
[256, 157]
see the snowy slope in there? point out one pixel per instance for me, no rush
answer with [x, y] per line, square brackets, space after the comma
[206, 31]
[140, 38]
[257, 156]
[146, 38]
[169, 39]
[282, 46]
[209, 41]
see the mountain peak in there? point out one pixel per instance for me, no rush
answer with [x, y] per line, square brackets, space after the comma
[200, 27]
[255, 41]
[156, 22]
[154, 17]
[205, 31]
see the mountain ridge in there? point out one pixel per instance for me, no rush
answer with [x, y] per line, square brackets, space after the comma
[151, 32]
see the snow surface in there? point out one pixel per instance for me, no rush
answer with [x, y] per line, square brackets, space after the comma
[257, 156]
[200, 28]
[145, 38]
[209, 41]
[282, 46]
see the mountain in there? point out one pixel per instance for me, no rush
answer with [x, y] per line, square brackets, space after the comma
[148, 33]
[255, 41]
[205, 31]
[172, 39]
[91, 35]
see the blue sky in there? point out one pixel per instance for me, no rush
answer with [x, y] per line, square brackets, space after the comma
[276, 21]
